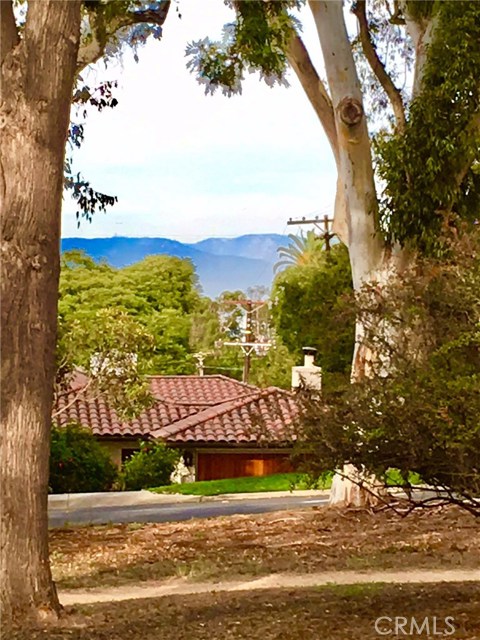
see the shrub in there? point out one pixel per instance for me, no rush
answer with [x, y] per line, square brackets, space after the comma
[420, 411]
[309, 308]
[78, 463]
[150, 467]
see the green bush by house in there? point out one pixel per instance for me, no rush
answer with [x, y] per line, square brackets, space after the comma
[149, 467]
[78, 463]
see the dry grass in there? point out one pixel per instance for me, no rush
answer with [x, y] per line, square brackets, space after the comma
[328, 613]
[235, 546]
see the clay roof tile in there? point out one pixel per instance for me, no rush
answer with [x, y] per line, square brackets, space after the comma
[190, 409]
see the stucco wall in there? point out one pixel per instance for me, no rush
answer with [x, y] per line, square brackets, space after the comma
[114, 448]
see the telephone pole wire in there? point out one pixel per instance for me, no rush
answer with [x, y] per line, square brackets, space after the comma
[248, 344]
[326, 232]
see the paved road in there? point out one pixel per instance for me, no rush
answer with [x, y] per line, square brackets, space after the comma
[179, 511]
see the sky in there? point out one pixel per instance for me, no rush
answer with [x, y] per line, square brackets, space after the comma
[188, 166]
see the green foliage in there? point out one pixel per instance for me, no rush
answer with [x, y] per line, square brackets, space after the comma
[172, 352]
[256, 40]
[153, 284]
[429, 169]
[205, 327]
[153, 301]
[303, 249]
[274, 369]
[432, 171]
[107, 341]
[308, 310]
[420, 9]
[262, 33]
[419, 412]
[112, 348]
[149, 467]
[78, 463]
[164, 282]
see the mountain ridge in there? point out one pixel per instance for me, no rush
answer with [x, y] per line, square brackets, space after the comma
[221, 263]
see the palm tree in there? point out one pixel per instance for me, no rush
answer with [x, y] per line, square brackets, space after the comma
[304, 249]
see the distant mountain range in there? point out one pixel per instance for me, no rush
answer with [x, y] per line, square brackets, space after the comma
[222, 263]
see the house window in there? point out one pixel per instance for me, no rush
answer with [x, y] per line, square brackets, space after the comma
[127, 454]
[188, 458]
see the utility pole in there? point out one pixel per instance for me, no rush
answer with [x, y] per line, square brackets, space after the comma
[200, 358]
[326, 232]
[247, 337]
[248, 344]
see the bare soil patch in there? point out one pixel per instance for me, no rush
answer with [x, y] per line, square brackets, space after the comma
[182, 586]
[327, 613]
[233, 547]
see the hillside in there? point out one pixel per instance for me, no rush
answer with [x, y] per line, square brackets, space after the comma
[221, 263]
[259, 246]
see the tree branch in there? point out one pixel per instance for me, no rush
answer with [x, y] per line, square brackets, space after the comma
[77, 395]
[385, 501]
[313, 86]
[94, 49]
[473, 131]
[9, 37]
[421, 32]
[378, 68]
[356, 208]
[321, 102]
[375, 491]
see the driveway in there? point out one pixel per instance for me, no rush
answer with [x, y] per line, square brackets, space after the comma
[143, 506]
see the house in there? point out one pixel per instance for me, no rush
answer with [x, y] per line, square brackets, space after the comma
[224, 428]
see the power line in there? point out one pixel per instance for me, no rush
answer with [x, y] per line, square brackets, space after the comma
[223, 368]
[248, 345]
[326, 232]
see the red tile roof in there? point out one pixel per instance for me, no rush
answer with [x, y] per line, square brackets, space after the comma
[93, 412]
[188, 409]
[268, 415]
[198, 390]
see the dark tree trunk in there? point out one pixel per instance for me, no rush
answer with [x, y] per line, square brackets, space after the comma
[37, 74]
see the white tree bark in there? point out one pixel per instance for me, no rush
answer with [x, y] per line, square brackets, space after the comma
[321, 102]
[351, 488]
[356, 202]
[355, 159]
[421, 32]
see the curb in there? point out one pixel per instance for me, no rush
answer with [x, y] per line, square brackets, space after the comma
[78, 501]
[258, 495]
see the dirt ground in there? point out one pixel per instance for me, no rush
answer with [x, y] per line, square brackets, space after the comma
[240, 546]
[327, 613]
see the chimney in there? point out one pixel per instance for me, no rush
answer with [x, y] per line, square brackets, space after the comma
[309, 356]
[307, 376]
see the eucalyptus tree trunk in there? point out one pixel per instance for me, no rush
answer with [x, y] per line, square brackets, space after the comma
[366, 248]
[37, 75]
[356, 202]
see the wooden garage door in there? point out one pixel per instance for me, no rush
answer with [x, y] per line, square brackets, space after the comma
[215, 466]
